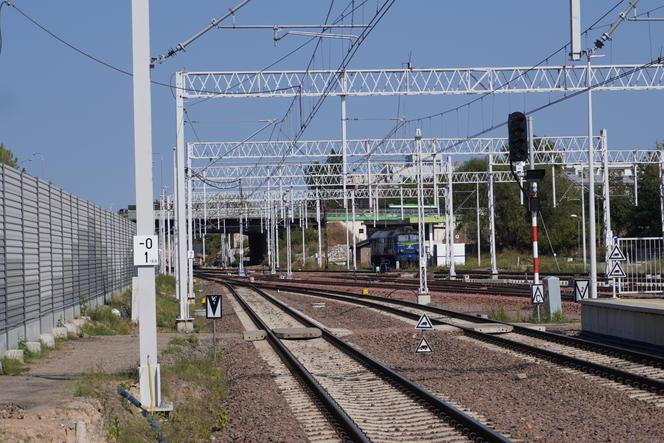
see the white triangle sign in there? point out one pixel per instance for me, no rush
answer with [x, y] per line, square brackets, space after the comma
[424, 322]
[537, 294]
[423, 347]
[617, 254]
[617, 271]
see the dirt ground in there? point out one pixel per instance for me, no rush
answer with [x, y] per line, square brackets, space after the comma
[40, 405]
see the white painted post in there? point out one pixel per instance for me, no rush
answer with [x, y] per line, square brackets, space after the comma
[492, 222]
[477, 206]
[347, 238]
[423, 296]
[591, 186]
[320, 242]
[190, 227]
[204, 215]
[450, 217]
[180, 203]
[302, 226]
[149, 374]
[169, 260]
[344, 145]
[608, 232]
[352, 196]
[553, 183]
[636, 185]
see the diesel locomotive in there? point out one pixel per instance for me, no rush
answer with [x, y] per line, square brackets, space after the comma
[395, 245]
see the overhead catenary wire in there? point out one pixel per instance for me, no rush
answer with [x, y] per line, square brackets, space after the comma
[118, 69]
[384, 8]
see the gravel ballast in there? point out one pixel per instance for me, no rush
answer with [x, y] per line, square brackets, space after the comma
[522, 397]
[256, 409]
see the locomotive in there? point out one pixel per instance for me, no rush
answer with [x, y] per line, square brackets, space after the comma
[395, 245]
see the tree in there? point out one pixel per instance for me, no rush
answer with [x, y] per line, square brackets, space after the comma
[7, 157]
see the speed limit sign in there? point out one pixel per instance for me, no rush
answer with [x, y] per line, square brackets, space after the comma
[146, 249]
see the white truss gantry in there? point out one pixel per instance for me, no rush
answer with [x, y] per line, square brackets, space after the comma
[425, 81]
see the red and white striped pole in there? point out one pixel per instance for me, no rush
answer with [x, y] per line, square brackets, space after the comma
[533, 202]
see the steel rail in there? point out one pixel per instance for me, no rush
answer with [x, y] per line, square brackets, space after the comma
[611, 373]
[457, 418]
[336, 412]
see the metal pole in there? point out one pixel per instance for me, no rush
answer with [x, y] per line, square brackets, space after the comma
[268, 226]
[149, 377]
[352, 196]
[553, 183]
[169, 250]
[450, 217]
[661, 190]
[533, 212]
[436, 197]
[401, 196]
[320, 242]
[184, 322]
[204, 214]
[583, 221]
[423, 296]
[190, 227]
[287, 221]
[226, 246]
[162, 232]
[302, 225]
[608, 232]
[477, 205]
[347, 238]
[344, 147]
[276, 235]
[591, 185]
[636, 185]
[241, 265]
[492, 222]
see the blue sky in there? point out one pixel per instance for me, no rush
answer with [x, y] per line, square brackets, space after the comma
[78, 114]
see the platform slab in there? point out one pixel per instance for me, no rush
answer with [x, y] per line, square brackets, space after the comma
[487, 328]
[641, 320]
[297, 333]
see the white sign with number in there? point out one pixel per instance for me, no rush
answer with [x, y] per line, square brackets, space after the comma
[146, 250]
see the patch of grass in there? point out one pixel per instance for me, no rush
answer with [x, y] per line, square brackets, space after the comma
[104, 322]
[165, 284]
[12, 367]
[186, 368]
[201, 378]
[499, 315]
[94, 384]
[556, 317]
[168, 309]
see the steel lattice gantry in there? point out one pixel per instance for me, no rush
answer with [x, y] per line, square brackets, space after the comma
[375, 82]
[426, 81]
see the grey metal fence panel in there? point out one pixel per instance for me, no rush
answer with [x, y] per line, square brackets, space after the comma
[14, 248]
[3, 280]
[46, 305]
[56, 252]
[30, 248]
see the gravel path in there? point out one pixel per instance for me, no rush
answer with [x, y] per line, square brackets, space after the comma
[524, 398]
[256, 408]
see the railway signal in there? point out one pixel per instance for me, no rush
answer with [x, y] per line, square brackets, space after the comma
[517, 129]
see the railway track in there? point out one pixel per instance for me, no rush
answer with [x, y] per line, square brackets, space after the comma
[365, 400]
[639, 374]
[488, 286]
